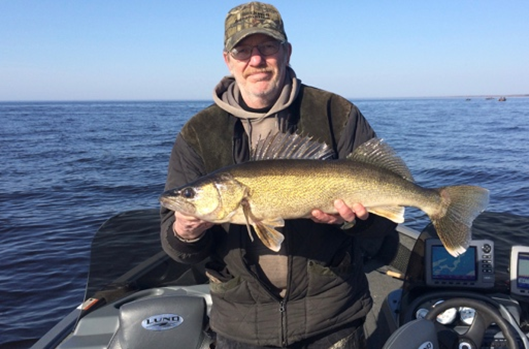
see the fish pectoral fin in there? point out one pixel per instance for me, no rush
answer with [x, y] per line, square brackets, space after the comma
[393, 213]
[265, 230]
[270, 237]
[247, 217]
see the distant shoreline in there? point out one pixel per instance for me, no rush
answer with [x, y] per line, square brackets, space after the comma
[493, 96]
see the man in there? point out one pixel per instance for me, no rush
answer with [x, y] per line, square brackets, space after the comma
[313, 292]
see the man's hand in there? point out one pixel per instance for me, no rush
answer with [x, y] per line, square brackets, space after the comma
[345, 214]
[188, 227]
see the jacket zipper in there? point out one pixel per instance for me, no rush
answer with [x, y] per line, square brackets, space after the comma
[282, 308]
[282, 313]
[282, 301]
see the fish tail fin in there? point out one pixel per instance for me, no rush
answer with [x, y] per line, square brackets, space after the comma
[460, 206]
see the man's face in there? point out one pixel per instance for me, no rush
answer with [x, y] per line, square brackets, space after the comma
[260, 78]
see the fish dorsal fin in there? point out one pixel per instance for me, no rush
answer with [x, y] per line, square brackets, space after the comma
[290, 146]
[378, 153]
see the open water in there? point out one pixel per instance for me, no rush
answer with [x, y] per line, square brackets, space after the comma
[67, 167]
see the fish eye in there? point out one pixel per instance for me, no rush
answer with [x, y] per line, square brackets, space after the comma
[188, 193]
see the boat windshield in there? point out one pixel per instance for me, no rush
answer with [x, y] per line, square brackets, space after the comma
[126, 256]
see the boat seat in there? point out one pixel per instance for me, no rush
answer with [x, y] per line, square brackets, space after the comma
[416, 334]
[162, 322]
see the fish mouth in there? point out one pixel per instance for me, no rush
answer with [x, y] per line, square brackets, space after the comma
[167, 202]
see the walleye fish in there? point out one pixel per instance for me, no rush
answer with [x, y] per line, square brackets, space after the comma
[287, 179]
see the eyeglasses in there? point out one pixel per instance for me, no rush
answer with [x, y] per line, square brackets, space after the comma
[243, 52]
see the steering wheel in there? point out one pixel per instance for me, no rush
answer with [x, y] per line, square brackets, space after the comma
[485, 315]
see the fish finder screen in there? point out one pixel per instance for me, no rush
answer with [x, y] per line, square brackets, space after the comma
[460, 268]
[523, 271]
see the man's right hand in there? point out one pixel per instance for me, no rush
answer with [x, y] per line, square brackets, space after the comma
[189, 227]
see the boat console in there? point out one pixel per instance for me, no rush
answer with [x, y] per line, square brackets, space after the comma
[479, 299]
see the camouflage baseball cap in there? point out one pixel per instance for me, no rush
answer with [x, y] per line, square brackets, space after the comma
[252, 18]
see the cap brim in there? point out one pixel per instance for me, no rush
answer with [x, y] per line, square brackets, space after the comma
[235, 39]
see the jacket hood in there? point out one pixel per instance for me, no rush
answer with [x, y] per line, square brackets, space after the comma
[226, 95]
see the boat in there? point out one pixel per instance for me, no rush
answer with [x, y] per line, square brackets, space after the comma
[138, 297]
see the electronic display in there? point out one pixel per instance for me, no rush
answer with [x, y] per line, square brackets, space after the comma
[520, 270]
[523, 271]
[474, 268]
[447, 267]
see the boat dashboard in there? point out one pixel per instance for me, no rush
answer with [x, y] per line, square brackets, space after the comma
[479, 299]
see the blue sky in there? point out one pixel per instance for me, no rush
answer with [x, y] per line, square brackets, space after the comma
[172, 50]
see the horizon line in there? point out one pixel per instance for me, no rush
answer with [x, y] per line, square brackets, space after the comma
[210, 100]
